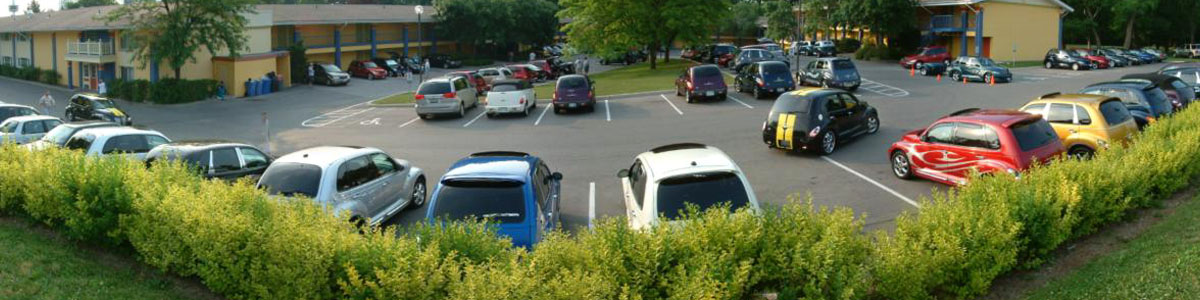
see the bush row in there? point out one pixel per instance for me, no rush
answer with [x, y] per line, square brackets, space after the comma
[31, 74]
[247, 245]
[873, 51]
[163, 91]
[847, 45]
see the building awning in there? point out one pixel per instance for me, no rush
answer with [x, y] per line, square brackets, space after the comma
[936, 3]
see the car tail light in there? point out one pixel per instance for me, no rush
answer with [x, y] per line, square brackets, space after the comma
[450, 95]
[690, 87]
[522, 100]
[419, 97]
[591, 94]
[760, 82]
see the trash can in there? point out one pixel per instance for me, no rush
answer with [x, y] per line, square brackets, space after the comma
[254, 88]
[247, 85]
[275, 83]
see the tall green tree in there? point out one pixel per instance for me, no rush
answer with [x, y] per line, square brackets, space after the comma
[497, 24]
[174, 30]
[33, 7]
[611, 26]
[87, 3]
[1127, 14]
[781, 20]
[741, 19]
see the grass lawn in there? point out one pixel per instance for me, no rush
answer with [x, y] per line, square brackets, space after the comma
[399, 98]
[1162, 263]
[1021, 64]
[36, 266]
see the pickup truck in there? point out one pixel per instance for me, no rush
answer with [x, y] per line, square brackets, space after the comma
[510, 96]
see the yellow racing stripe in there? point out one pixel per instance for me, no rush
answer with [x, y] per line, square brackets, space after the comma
[785, 131]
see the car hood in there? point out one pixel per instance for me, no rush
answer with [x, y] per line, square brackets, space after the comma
[39, 145]
[116, 112]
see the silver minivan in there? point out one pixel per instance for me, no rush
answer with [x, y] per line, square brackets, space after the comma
[448, 95]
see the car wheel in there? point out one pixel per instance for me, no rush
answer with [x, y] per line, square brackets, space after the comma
[678, 91]
[918, 65]
[490, 115]
[758, 93]
[872, 124]
[688, 96]
[824, 84]
[955, 76]
[525, 113]
[418, 193]
[1081, 152]
[828, 142]
[900, 165]
[1049, 65]
[988, 78]
[924, 71]
[1075, 67]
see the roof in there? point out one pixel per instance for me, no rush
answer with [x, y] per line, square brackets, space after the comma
[1156, 78]
[516, 168]
[1125, 83]
[325, 156]
[932, 3]
[665, 162]
[111, 131]
[997, 117]
[282, 14]
[30, 118]
[1088, 99]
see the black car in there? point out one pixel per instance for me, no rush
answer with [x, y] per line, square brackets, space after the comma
[391, 66]
[1188, 72]
[329, 74]
[823, 49]
[750, 56]
[13, 110]
[817, 119]
[831, 72]
[978, 68]
[1145, 101]
[214, 159]
[714, 52]
[1179, 92]
[95, 107]
[443, 61]
[58, 136]
[1058, 58]
[765, 78]
[407, 63]
[931, 68]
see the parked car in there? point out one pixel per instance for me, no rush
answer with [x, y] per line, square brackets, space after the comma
[26, 129]
[1098, 60]
[393, 68]
[1189, 51]
[515, 190]
[413, 64]
[95, 107]
[510, 96]
[1114, 59]
[57, 136]
[481, 85]
[690, 54]
[124, 141]
[560, 67]
[492, 74]
[1058, 58]
[1178, 91]
[718, 51]
[763, 79]
[1157, 54]
[1188, 72]
[931, 69]
[832, 72]
[523, 72]
[447, 95]
[574, 92]
[662, 183]
[545, 69]
[1144, 101]
[750, 56]
[214, 159]
[823, 49]
[330, 74]
[817, 120]
[1146, 57]
[1085, 123]
[975, 141]
[367, 69]
[1132, 59]
[364, 184]
[802, 48]
[978, 68]
[699, 82]
[774, 48]
[443, 61]
[926, 55]
[15, 110]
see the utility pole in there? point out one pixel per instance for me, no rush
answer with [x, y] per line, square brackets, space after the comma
[420, 41]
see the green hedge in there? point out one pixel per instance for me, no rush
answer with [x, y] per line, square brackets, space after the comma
[246, 245]
[848, 45]
[31, 74]
[164, 91]
[873, 51]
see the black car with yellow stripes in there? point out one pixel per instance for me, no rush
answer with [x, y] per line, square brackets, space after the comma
[817, 119]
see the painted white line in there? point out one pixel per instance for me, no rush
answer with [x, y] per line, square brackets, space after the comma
[544, 110]
[409, 122]
[864, 177]
[607, 113]
[475, 119]
[740, 102]
[672, 104]
[591, 204]
[344, 117]
[312, 122]
[374, 121]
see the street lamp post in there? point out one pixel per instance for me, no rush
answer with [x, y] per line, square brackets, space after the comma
[420, 40]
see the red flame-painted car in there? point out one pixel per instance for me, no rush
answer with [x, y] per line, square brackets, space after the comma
[1091, 55]
[975, 140]
[931, 54]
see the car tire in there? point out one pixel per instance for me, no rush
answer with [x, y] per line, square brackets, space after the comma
[901, 167]
[758, 93]
[955, 76]
[872, 124]
[420, 192]
[988, 78]
[525, 113]
[1081, 152]
[824, 84]
[1049, 65]
[1075, 67]
[918, 65]
[924, 71]
[592, 108]
[490, 115]
[678, 92]
[688, 96]
[945, 62]
[828, 143]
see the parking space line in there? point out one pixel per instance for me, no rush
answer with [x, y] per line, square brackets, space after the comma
[876, 183]
[607, 113]
[334, 116]
[664, 97]
[740, 102]
[883, 89]
[539, 120]
[591, 204]
[475, 119]
[409, 122]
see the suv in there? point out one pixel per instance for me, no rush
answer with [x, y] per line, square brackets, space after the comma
[1143, 100]
[926, 55]
[831, 72]
[58, 136]
[514, 189]
[974, 140]
[1085, 123]
[492, 74]
[25, 129]
[125, 141]
[978, 68]
[214, 159]
[816, 119]
[701, 81]
[15, 110]
[367, 69]
[764, 78]
[95, 107]
[451, 95]
[574, 91]
[823, 48]
[365, 183]
[1058, 58]
[1189, 51]
[666, 180]
[330, 74]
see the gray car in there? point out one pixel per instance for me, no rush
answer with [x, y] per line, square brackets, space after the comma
[365, 183]
[25, 129]
[448, 95]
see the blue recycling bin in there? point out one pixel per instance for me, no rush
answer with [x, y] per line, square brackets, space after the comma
[266, 86]
[254, 88]
[247, 86]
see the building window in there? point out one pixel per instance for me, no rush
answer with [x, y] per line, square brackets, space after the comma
[23, 62]
[127, 73]
[5, 37]
[7, 61]
[22, 37]
[127, 43]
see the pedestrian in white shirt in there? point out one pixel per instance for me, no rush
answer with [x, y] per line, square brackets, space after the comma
[46, 103]
[102, 89]
[532, 56]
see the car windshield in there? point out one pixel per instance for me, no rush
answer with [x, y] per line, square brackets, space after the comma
[704, 190]
[843, 65]
[8, 127]
[507, 87]
[572, 82]
[331, 68]
[496, 200]
[1033, 135]
[986, 62]
[706, 71]
[59, 135]
[291, 179]
[103, 104]
[391, 63]
[369, 65]
[434, 88]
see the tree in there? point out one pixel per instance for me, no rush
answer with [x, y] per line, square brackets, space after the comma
[1126, 13]
[608, 27]
[887, 18]
[497, 24]
[33, 7]
[781, 20]
[741, 20]
[87, 3]
[174, 30]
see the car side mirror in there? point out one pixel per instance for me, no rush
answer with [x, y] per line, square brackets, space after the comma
[623, 173]
[556, 176]
[1085, 122]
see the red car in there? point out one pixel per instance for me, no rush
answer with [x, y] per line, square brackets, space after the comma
[481, 85]
[367, 69]
[1101, 61]
[974, 140]
[523, 73]
[931, 54]
[547, 70]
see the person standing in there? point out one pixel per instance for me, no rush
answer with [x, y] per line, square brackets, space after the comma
[46, 102]
[266, 133]
[312, 69]
[221, 91]
[102, 88]
[426, 69]
[587, 64]
[408, 76]
[532, 56]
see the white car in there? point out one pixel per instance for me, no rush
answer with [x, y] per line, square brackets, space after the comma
[127, 141]
[510, 96]
[1189, 50]
[25, 129]
[491, 75]
[16, 110]
[663, 182]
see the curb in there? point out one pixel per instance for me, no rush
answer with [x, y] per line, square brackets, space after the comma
[48, 86]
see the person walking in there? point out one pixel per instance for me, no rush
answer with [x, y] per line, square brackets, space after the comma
[312, 69]
[587, 64]
[532, 56]
[46, 102]
[426, 69]
[102, 88]
[408, 76]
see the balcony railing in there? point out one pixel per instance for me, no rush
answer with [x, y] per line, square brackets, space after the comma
[91, 48]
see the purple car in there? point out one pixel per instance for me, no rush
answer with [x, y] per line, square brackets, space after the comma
[701, 82]
[574, 92]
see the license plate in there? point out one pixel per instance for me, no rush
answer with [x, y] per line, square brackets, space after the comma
[709, 93]
[572, 105]
[779, 90]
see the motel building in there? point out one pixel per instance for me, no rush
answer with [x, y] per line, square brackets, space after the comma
[1005, 30]
[85, 51]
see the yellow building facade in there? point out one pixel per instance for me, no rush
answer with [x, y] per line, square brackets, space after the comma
[1005, 30]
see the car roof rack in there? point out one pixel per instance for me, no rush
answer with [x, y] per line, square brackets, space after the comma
[1050, 95]
[499, 153]
[963, 112]
[679, 146]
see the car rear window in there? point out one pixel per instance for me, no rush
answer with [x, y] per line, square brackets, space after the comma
[572, 82]
[1114, 112]
[291, 179]
[1159, 101]
[9, 112]
[723, 49]
[1033, 134]
[775, 69]
[507, 87]
[706, 71]
[434, 88]
[496, 200]
[843, 65]
[791, 105]
[704, 190]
